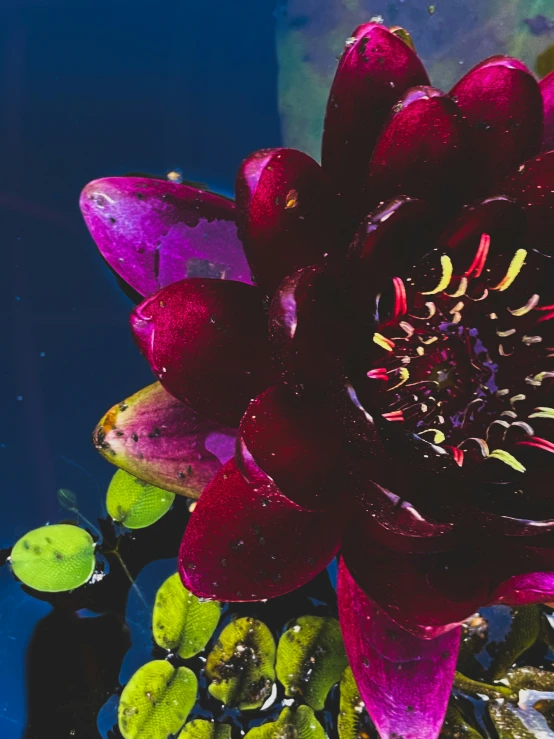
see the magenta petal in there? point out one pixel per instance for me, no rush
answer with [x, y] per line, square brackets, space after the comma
[206, 341]
[287, 214]
[160, 440]
[374, 71]
[534, 587]
[152, 232]
[247, 541]
[423, 145]
[547, 90]
[404, 681]
[502, 104]
[532, 185]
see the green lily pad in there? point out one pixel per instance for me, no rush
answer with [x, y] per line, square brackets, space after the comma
[456, 727]
[311, 659]
[351, 707]
[512, 722]
[180, 622]
[202, 729]
[55, 558]
[134, 503]
[156, 701]
[241, 666]
[300, 724]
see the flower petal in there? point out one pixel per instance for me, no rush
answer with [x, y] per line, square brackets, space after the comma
[160, 440]
[248, 541]
[206, 341]
[152, 232]
[404, 681]
[532, 185]
[374, 71]
[423, 145]
[293, 439]
[535, 587]
[503, 106]
[287, 214]
[547, 89]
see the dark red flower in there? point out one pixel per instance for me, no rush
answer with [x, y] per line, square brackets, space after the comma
[391, 374]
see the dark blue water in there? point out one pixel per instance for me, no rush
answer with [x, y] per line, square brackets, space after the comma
[90, 89]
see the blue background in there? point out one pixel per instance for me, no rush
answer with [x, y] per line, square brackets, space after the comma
[90, 89]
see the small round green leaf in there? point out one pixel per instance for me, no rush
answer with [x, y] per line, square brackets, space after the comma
[351, 707]
[134, 503]
[54, 558]
[311, 659]
[202, 729]
[241, 665]
[300, 724]
[156, 701]
[180, 622]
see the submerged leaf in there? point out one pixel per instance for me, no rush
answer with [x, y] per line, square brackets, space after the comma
[300, 724]
[135, 503]
[351, 707]
[202, 729]
[311, 659]
[67, 499]
[241, 666]
[54, 558]
[156, 701]
[513, 722]
[180, 622]
[456, 727]
[531, 678]
[160, 440]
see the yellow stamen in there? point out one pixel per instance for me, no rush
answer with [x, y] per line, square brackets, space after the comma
[447, 271]
[291, 200]
[503, 456]
[438, 438]
[513, 270]
[515, 398]
[529, 305]
[428, 341]
[504, 334]
[462, 287]
[542, 411]
[383, 342]
[404, 377]
[420, 350]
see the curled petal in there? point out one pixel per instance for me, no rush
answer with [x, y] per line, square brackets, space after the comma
[246, 541]
[162, 441]
[206, 341]
[374, 71]
[295, 442]
[404, 681]
[503, 106]
[152, 232]
[547, 89]
[287, 214]
[535, 587]
[423, 145]
[532, 185]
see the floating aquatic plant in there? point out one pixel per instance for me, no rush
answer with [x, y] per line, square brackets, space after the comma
[135, 503]
[389, 372]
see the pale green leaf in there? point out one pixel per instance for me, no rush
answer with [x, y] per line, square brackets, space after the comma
[181, 622]
[241, 666]
[298, 724]
[202, 729]
[54, 558]
[351, 707]
[134, 503]
[156, 701]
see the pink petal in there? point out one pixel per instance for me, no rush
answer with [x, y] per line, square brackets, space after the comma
[547, 89]
[287, 214]
[405, 681]
[532, 185]
[374, 71]
[247, 541]
[152, 232]
[161, 441]
[502, 104]
[206, 341]
[294, 440]
[535, 587]
[423, 145]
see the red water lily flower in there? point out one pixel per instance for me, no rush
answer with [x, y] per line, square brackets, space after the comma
[390, 371]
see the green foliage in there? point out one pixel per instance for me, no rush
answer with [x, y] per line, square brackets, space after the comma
[456, 727]
[300, 724]
[180, 622]
[351, 707]
[311, 659]
[202, 729]
[156, 701]
[134, 503]
[54, 558]
[241, 665]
